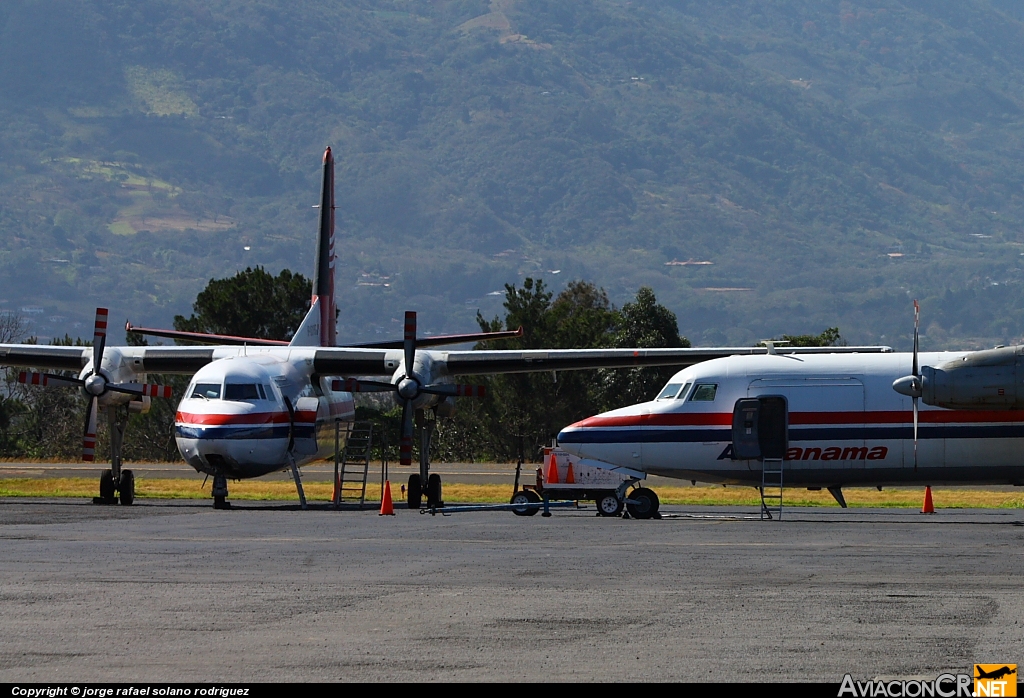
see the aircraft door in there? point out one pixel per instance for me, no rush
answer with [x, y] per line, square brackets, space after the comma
[760, 428]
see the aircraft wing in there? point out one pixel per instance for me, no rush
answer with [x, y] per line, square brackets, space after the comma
[142, 359]
[43, 356]
[368, 362]
[528, 361]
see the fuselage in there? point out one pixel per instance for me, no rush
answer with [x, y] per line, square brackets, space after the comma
[846, 426]
[246, 416]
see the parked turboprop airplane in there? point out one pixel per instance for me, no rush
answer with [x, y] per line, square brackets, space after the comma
[828, 420]
[257, 406]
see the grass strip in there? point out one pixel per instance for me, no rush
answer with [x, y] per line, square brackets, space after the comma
[260, 490]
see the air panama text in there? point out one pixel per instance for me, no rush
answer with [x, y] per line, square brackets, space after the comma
[827, 453]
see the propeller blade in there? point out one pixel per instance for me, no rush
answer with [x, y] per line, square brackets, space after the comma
[89, 439]
[351, 385]
[147, 389]
[46, 379]
[410, 341]
[405, 445]
[917, 326]
[456, 390]
[99, 338]
[915, 433]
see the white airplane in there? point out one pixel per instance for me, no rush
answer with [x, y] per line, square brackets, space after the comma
[256, 406]
[827, 420]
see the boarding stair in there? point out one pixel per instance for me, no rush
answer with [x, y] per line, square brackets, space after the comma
[352, 463]
[771, 488]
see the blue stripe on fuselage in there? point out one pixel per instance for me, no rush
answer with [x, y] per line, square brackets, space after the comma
[854, 433]
[247, 432]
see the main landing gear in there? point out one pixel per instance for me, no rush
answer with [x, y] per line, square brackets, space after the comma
[416, 491]
[116, 484]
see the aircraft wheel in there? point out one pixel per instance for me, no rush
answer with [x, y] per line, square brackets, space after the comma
[107, 485]
[434, 498]
[221, 502]
[415, 493]
[127, 488]
[525, 497]
[647, 503]
[609, 505]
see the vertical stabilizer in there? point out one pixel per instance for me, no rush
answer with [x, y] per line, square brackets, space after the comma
[323, 274]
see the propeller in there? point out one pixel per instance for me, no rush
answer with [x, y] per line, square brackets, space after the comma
[95, 385]
[912, 385]
[408, 388]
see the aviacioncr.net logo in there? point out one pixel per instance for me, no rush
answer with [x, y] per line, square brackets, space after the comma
[942, 686]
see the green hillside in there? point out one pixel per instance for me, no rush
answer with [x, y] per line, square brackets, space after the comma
[831, 160]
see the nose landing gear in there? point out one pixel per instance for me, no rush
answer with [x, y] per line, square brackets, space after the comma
[220, 492]
[116, 484]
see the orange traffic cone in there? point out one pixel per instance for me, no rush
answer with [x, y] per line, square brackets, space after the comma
[386, 508]
[551, 476]
[928, 507]
[570, 477]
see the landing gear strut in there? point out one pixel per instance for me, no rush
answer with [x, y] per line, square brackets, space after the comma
[423, 482]
[116, 483]
[220, 492]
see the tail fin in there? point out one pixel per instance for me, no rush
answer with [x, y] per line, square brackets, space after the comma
[323, 274]
[308, 334]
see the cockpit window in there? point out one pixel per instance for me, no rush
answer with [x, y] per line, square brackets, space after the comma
[669, 391]
[210, 391]
[241, 391]
[682, 393]
[704, 392]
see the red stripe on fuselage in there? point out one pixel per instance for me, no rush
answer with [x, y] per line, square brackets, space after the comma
[305, 417]
[705, 419]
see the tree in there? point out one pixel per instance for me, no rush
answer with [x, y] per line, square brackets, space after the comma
[253, 303]
[829, 338]
[645, 324]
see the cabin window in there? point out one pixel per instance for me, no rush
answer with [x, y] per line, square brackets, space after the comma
[210, 391]
[669, 391]
[684, 391]
[704, 392]
[241, 391]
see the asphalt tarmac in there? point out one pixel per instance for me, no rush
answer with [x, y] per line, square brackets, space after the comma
[175, 591]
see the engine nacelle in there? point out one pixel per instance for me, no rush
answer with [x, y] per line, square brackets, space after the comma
[446, 408]
[981, 380]
[140, 405]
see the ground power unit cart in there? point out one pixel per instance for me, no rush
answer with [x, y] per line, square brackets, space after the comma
[565, 477]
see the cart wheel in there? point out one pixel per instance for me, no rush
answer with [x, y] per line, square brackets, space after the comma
[525, 497]
[609, 505]
[647, 503]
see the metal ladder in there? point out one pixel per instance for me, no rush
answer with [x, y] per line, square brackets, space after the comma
[771, 479]
[352, 463]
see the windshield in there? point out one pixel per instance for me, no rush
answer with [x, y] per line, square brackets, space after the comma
[210, 391]
[669, 391]
[241, 391]
[704, 392]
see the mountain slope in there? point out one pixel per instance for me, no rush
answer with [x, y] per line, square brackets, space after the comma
[836, 159]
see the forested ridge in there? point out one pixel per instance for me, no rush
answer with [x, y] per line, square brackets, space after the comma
[835, 158]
